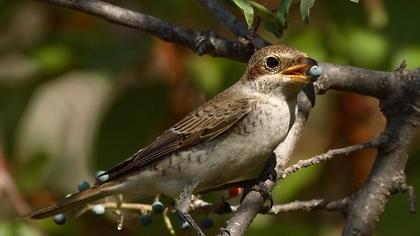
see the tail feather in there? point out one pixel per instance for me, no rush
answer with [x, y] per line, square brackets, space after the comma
[71, 202]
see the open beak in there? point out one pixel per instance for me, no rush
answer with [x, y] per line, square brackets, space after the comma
[300, 73]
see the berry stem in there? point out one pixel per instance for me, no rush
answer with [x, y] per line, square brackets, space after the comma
[168, 222]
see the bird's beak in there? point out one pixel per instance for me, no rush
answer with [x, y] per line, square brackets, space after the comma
[300, 73]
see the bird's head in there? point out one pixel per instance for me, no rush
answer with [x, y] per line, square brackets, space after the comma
[280, 70]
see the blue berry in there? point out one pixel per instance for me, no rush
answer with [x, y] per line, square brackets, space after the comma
[101, 177]
[315, 71]
[206, 223]
[83, 185]
[98, 209]
[145, 219]
[158, 207]
[185, 225]
[60, 219]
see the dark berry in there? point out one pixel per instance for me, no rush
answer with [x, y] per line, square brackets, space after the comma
[158, 207]
[83, 185]
[145, 219]
[206, 223]
[60, 219]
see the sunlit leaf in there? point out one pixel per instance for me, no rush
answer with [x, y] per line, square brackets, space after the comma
[53, 58]
[305, 6]
[311, 41]
[207, 74]
[247, 9]
[366, 48]
[356, 1]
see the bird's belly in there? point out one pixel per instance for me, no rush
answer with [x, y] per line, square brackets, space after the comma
[229, 157]
[243, 153]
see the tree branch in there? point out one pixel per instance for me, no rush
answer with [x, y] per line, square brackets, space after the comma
[401, 109]
[234, 25]
[201, 42]
[226, 17]
[332, 153]
[358, 80]
[315, 204]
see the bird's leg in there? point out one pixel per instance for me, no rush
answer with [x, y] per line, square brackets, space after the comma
[268, 173]
[188, 218]
[182, 206]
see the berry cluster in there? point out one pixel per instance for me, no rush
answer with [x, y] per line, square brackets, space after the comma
[145, 218]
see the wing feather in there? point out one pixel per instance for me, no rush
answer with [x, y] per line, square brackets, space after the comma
[205, 123]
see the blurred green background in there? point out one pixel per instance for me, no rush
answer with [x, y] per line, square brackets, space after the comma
[78, 94]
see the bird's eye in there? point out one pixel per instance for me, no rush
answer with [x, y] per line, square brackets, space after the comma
[272, 62]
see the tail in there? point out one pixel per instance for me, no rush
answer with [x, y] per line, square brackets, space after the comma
[73, 201]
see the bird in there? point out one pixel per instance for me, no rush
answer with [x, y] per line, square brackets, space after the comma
[220, 142]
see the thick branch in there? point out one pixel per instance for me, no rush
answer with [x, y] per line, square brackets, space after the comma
[201, 42]
[402, 112]
[362, 81]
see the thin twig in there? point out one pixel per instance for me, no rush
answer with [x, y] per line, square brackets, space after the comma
[409, 189]
[315, 204]
[332, 153]
[167, 221]
[115, 205]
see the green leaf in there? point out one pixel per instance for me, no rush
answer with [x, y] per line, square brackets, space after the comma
[279, 24]
[247, 9]
[261, 10]
[282, 12]
[273, 28]
[305, 6]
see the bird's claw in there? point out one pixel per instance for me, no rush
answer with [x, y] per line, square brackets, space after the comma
[262, 188]
[224, 230]
[204, 42]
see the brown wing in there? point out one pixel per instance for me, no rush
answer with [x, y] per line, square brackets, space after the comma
[205, 123]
